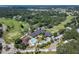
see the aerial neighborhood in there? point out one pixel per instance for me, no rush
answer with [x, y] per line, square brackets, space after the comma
[39, 29]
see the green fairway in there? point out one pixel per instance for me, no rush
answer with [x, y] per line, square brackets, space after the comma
[61, 25]
[14, 29]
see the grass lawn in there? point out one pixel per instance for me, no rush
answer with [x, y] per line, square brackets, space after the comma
[61, 25]
[14, 29]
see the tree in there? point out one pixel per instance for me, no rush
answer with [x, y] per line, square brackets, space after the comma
[19, 44]
[1, 47]
[71, 34]
[72, 46]
[69, 48]
[55, 34]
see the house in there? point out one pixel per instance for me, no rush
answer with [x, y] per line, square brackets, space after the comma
[39, 31]
[47, 34]
[25, 40]
[58, 37]
[48, 39]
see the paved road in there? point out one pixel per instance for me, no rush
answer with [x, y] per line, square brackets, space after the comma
[51, 48]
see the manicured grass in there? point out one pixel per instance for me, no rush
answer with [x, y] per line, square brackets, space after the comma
[61, 25]
[14, 29]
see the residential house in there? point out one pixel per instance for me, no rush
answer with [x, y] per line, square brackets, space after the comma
[25, 40]
[37, 32]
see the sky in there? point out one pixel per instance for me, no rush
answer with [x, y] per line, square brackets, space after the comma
[39, 2]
